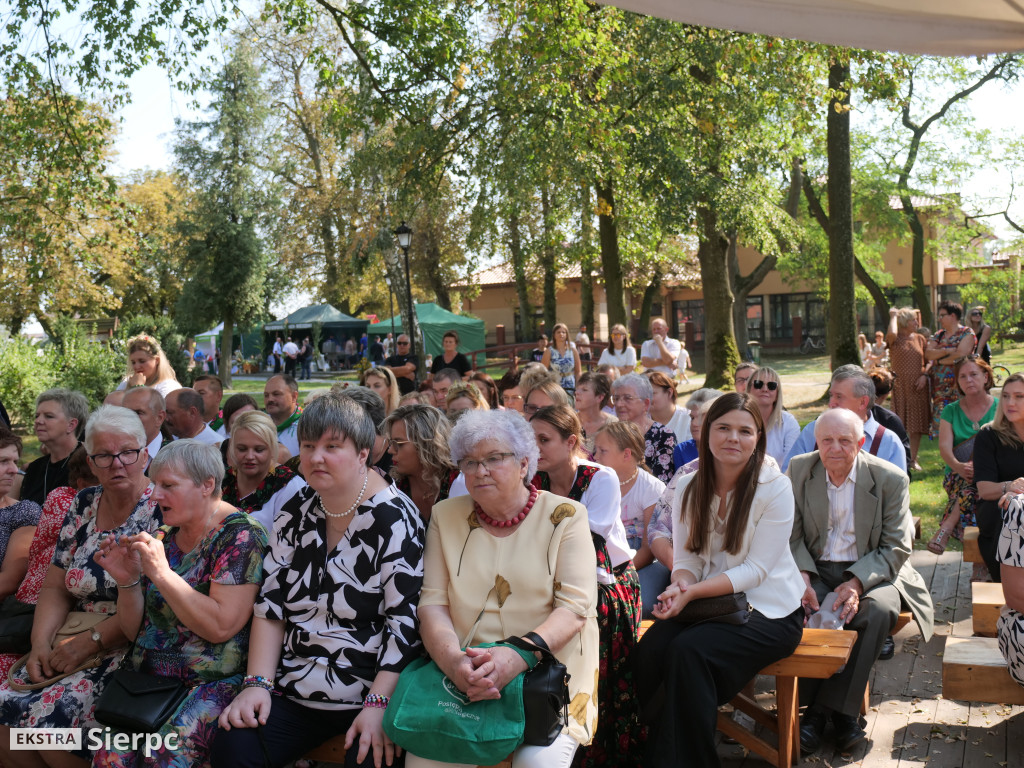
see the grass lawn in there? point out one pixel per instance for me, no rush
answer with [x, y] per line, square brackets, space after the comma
[804, 379]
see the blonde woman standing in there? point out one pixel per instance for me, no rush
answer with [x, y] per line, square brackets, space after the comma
[563, 358]
[148, 366]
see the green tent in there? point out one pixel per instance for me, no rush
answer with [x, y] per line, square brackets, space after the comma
[434, 322]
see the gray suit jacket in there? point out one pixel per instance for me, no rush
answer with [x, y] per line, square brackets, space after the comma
[883, 527]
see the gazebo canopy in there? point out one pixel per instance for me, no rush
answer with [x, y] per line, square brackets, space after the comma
[434, 322]
[324, 314]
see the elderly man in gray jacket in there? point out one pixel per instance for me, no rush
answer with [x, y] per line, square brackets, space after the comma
[852, 534]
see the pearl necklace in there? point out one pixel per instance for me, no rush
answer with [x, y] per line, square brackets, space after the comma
[485, 518]
[350, 510]
[631, 479]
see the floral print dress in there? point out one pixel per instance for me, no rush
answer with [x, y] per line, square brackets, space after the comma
[944, 390]
[71, 701]
[659, 443]
[231, 554]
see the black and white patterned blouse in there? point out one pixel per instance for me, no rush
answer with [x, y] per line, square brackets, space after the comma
[1010, 550]
[350, 613]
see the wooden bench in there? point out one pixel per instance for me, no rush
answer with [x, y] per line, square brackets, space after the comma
[821, 653]
[986, 602]
[970, 540]
[973, 669]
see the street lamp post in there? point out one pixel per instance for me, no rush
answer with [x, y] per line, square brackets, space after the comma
[391, 308]
[404, 236]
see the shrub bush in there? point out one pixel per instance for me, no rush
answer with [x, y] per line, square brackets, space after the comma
[28, 369]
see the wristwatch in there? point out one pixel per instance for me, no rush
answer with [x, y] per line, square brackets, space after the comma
[97, 638]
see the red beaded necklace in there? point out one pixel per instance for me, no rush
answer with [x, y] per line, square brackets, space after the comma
[485, 518]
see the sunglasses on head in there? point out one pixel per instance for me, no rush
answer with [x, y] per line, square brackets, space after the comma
[772, 385]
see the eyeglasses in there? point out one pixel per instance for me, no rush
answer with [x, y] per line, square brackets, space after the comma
[491, 463]
[510, 398]
[529, 410]
[616, 333]
[403, 343]
[127, 458]
[627, 399]
[741, 379]
[772, 385]
[396, 444]
[975, 314]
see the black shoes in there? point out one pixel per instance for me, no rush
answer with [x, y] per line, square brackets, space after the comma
[812, 728]
[888, 649]
[848, 731]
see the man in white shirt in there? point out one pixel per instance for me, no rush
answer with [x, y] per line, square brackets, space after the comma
[291, 356]
[148, 404]
[185, 417]
[583, 343]
[281, 402]
[277, 352]
[660, 353]
[852, 535]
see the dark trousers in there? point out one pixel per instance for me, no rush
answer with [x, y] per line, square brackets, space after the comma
[684, 673]
[291, 731]
[877, 615]
[289, 365]
[990, 526]
[277, 363]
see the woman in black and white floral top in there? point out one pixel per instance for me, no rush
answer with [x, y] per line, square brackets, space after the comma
[336, 619]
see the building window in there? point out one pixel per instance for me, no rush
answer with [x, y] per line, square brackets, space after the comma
[690, 311]
[755, 318]
[809, 307]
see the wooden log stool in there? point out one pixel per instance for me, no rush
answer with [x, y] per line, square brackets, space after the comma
[970, 541]
[973, 669]
[986, 602]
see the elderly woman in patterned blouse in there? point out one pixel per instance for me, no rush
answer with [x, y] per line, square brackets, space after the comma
[632, 395]
[335, 621]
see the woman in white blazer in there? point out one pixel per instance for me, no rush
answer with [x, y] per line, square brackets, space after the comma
[732, 520]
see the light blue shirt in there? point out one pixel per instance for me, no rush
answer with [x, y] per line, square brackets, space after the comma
[890, 449]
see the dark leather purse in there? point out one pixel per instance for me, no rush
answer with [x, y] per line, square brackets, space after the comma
[545, 692]
[733, 608]
[16, 625]
[137, 702]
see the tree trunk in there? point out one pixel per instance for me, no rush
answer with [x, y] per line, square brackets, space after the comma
[652, 290]
[547, 260]
[227, 335]
[921, 297]
[842, 308]
[611, 262]
[721, 355]
[525, 331]
[587, 262]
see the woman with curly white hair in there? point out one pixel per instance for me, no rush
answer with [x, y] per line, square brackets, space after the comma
[535, 549]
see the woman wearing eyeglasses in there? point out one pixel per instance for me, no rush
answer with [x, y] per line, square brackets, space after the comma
[121, 505]
[510, 560]
[781, 427]
[632, 394]
[620, 352]
[420, 457]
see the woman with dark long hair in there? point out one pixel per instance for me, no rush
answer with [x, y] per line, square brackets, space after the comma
[732, 519]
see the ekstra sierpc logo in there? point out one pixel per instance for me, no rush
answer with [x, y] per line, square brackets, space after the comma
[74, 739]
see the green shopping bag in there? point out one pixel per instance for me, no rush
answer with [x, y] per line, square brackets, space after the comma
[431, 718]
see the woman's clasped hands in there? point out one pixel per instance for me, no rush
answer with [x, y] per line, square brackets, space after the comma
[481, 673]
[671, 601]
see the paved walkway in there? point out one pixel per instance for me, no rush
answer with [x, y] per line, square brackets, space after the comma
[909, 722]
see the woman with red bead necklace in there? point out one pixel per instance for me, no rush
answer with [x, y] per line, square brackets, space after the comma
[536, 551]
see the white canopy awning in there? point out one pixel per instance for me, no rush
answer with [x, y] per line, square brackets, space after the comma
[939, 27]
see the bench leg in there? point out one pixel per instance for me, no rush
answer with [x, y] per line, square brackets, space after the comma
[787, 704]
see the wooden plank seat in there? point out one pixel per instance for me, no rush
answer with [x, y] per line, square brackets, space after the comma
[970, 540]
[986, 602]
[821, 653]
[973, 669]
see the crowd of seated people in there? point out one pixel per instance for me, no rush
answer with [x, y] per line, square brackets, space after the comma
[289, 570]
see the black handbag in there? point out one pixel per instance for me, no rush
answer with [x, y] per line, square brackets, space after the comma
[733, 608]
[545, 692]
[16, 625]
[137, 702]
